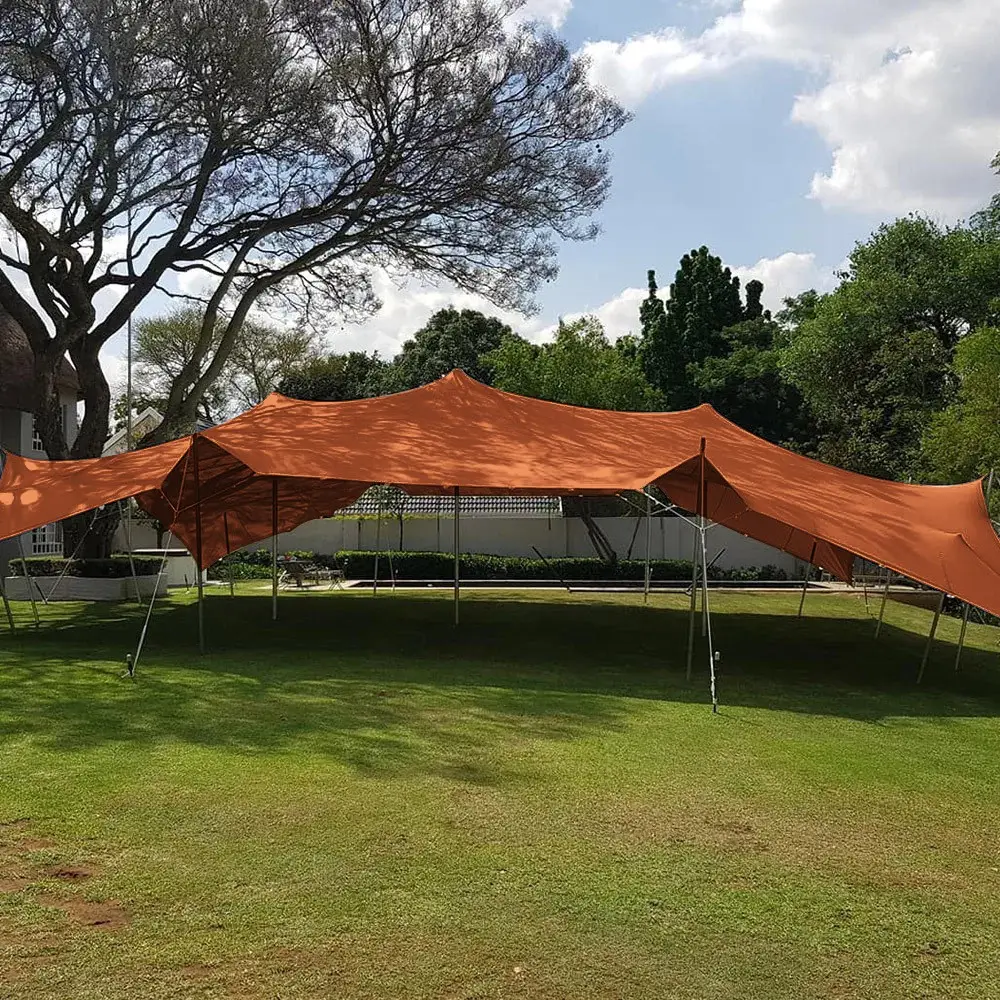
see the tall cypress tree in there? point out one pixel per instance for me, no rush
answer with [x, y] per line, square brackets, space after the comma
[704, 301]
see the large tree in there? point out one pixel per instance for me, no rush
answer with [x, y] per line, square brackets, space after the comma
[264, 356]
[579, 366]
[449, 339]
[704, 300]
[275, 150]
[355, 375]
[873, 358]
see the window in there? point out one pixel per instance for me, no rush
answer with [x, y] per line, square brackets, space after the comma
[36, 438]
[47, 540]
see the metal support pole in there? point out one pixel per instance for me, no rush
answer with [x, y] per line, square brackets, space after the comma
[694, 563]
[702, 524]
[805, 582]
[885, 597]
[930, 638]
[378, 542]
[711, 650]
[198, 548]
[6, 604]
[27, 579]
[649, 505]
[145, 625]
[961, 635]
[274, 549]
[225, 528]
[128, 548]
[457, 517]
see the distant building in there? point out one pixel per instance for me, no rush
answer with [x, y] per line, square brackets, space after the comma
[18, 433]
[142, 424]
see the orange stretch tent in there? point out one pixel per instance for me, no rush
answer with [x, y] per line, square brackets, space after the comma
[286, 461]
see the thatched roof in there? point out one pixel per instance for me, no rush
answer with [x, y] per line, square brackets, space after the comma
[16, 368]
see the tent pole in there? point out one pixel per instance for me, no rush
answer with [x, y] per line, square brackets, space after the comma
[198, 544]
[711, 650]
[703, 524]
[274, 548]
[6, 604]
[961, 635]
[885, 597]
[930, 638]
[649, 505]
[965, 612]
[457, 513]
[805, 582]
[694, 565]
[27, 579]
[128, 548]
[225, 528]
[378, 543]
[145, 625]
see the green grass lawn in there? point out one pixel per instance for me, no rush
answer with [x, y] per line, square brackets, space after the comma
[362, 801]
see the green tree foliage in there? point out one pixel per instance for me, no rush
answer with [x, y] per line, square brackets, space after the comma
[579, 366]
[963, 441]
[873, 359]
[746, 385]
[871, 386]
[704, 301]
[449, 339]
[355, 375]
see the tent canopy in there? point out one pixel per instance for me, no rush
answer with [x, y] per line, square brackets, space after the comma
[315, 458]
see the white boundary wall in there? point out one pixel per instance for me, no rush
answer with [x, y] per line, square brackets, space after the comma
[671, 538]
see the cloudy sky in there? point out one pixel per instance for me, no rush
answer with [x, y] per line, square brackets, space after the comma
[777, 132]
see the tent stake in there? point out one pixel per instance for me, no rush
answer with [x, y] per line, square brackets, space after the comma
[885, 597]
[930, 638]
[198, 544]
[6, 604]
[274, 548]
[28, 579]
[457, 512]
[649, 505]
[378, 543]
[805, 582]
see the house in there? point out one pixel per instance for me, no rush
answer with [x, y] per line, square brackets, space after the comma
[142, 424]
[17, 424]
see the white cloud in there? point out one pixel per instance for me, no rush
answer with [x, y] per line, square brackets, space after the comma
[550, 12]
[908, 102]
[787, 275]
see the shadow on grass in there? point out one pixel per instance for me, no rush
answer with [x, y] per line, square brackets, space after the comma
[391, 685]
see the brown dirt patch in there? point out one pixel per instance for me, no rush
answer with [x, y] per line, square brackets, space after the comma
[106, 915]
[69, 873]
[12, 883]
[35, 844]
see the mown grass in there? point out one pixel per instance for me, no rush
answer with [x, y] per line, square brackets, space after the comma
[362, 801]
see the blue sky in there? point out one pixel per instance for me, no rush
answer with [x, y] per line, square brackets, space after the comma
[777, 132]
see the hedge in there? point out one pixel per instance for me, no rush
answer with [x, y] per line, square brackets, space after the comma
[115, 567]
[441, 566]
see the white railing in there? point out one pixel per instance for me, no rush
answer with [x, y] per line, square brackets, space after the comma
[47, 540]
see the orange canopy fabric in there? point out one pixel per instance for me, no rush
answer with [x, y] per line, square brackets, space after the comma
[315, 458]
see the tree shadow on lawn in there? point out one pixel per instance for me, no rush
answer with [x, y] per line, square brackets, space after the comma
[391, 685]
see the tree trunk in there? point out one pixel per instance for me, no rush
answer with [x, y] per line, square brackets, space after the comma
[90, 537]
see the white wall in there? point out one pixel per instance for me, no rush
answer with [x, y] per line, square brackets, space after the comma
[671, 538]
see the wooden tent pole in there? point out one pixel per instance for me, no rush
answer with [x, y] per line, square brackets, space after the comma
[930, 638]
[805, 582]
[225, 528]
[457, 515]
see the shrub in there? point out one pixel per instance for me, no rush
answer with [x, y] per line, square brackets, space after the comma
[116, 567]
